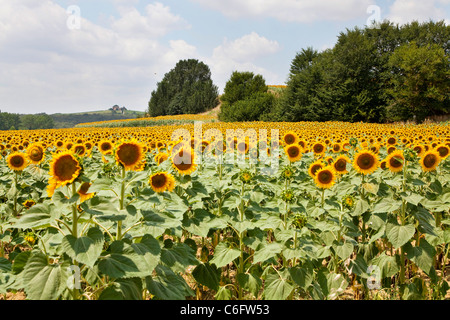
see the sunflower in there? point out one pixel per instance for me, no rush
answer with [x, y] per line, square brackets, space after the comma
[365, 162]
[325, 177]
[430, 160]
[314, 167]
[79, 149]
[395, 161]
[130, 154]
[293, 152]
[105, 147]
[419, 149]
[162, 181]
[290, 138]
[443, 150]
[340, 164]
[319, 148]
[35, 152]
[64, 168]
[17, 161]
[337, 147]
[184, 161]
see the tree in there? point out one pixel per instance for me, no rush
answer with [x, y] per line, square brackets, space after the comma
[245, 98]
[186, 89]
[9, 121]
[420, 82]
[36, 121]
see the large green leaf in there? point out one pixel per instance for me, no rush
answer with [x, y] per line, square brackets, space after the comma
[388, 264]
[44, 281]
[179, 257]
[422, 256]
[40, 216]
[135, 260]
[224, 254]
[343, 249]
[277, 287]
[167, 285]
[267, 251]
[250, 282]
[303, 275]
[5, 265]
[398, 235]
[123, 289]
[207, 275]
[84, 249]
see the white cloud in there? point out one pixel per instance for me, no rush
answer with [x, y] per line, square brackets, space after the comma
[46, 67]
[242, 54]
[291, 10]
[404, 11]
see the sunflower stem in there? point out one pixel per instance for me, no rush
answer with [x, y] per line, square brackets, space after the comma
[74, 213]
[121, 204]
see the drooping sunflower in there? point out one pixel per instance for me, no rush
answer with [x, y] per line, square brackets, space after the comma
[64, 168]
[130, 154]
[28, 203]
[162, 181]
[161, 157]
[293, 152]
[35, 152]
[17, 161]
[325, 177]
[340, 164]
[430, 160]
[395, 161]
[365, 162]
[184, 161]
[84, 193]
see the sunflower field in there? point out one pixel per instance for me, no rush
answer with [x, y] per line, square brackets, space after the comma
[223, 211]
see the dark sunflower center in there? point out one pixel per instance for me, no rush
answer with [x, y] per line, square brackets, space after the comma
[36, 154]
[443, 151]
[396, 162]
[65, 167]
[391, 140]
[340, 165]
[17, 161]
[105, 146]
[128, 154]
[318, 148]
[325, 177]
[293, 152]
[429, 161]
[289, 138]
[159, 180]
[183, 161]
[315, 168]
[365, 161]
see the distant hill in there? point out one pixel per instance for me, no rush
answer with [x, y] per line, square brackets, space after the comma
[69, 120]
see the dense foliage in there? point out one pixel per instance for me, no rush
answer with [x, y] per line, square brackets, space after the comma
[186, 89]
[387, 73]
[306, 210]
[245, 98]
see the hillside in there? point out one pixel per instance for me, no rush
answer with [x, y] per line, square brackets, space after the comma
[70, 120]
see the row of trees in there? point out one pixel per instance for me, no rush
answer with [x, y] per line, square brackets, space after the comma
[14, 121]
[382, 74]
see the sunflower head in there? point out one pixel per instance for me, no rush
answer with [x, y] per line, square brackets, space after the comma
[130, 154]
[325, 177]
[293, 152]
[340, 164]
[430, 160]
[64, 168]
[290, 138]
[395, 161]
[299, 221]
[348, 201]
[365, 162]
[314, 167]
[84, 193]
[35, 152]
[105, 147]
[287, 172]
[17, 161]
[183, 160]
[245, 176]
[162, 181]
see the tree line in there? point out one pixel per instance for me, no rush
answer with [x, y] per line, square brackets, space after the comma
[14, 121]
[378, 74]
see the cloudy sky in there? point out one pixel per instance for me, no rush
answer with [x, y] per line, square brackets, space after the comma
[86, 55]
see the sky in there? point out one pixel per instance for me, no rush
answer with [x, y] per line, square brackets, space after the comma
[64, 56]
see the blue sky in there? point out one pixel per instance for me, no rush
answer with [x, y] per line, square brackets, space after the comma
[102, 53]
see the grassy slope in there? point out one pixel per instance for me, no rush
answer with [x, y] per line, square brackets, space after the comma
[69, 120]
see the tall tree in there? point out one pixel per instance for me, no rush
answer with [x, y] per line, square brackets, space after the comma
[185, 89]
